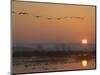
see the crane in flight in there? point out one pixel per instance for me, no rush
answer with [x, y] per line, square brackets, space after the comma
[37, 16]
[22, 13]
[49, 18]
[58, 18]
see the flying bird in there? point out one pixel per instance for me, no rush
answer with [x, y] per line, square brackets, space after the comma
[37, 16]
[49, 18]
[58, 18]
[22, 13]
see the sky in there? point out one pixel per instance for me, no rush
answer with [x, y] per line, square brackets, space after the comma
[52, 23]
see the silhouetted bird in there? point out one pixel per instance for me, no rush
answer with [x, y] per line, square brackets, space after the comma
[22, 13]
[58, 18]
[37, 16]
[49, 18]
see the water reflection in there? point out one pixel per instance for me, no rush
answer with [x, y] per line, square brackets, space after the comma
[84, 63]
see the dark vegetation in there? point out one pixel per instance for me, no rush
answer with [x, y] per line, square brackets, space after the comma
[49, 56]
[39, 52]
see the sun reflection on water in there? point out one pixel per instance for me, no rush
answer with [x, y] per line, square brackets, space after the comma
[84, 63]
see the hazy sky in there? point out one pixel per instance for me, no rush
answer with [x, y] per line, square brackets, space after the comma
[26, 28]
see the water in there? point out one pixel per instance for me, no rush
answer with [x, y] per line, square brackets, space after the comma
[52, 57]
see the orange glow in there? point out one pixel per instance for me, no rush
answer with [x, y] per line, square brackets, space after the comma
[84, 63]
[84, 41]
[69, 29]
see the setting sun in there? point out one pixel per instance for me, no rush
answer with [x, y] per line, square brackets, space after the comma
[84, 41]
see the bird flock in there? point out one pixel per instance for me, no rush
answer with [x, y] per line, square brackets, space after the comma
[49, 18]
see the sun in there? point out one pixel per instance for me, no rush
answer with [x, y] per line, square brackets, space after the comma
[84, 41]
